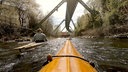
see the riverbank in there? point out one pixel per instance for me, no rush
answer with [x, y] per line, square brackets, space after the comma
[22, 39]
[99, 33]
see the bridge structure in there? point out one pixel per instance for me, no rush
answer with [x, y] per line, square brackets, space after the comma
[70, 8]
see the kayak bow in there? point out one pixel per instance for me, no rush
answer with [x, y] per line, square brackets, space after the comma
[69, 61]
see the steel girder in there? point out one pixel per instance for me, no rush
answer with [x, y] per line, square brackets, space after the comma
[71, 6]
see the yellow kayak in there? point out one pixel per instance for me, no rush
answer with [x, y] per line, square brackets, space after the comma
[73, 63]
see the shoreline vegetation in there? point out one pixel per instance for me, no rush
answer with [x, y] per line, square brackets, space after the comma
[22, 40]
[21, 18]
[110, 19]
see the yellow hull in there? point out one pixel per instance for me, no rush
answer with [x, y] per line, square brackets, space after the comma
[68, 64]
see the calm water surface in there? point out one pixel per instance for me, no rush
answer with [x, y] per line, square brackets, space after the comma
[109, 55]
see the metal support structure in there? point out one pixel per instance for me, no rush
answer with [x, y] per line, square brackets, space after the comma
[85, 6]
[73, 24]
[71, 6]
[52, 11]
[59, 25]
[71, 28]
[62, 29]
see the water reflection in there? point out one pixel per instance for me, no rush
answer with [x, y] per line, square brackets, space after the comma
[111, 55]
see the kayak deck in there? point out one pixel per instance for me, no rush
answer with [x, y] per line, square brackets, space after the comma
[68, 64]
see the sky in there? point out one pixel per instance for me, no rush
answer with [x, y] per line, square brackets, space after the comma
[47, 5]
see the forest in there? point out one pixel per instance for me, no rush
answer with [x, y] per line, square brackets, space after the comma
[97, 43]
[110, 18]
[21, 18]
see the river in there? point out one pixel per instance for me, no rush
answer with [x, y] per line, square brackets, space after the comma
[109, 55]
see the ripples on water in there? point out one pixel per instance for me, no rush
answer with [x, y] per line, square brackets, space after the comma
[110, 55]
[30, 61]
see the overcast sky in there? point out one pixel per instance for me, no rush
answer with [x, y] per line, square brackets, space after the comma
[47, 5]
